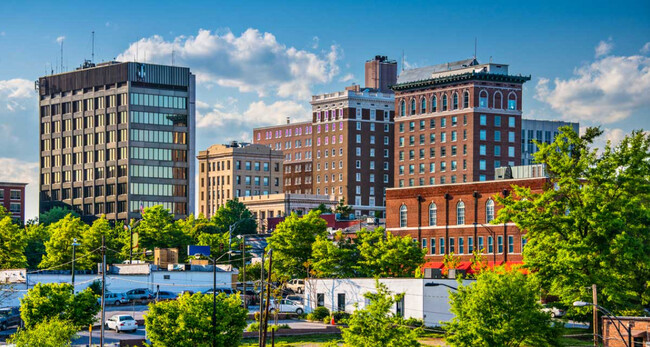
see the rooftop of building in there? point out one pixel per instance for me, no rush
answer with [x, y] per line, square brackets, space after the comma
[13, 184]
[382, 59]
[500, 181]
[368, 93]
[285, 125]
[239, 147]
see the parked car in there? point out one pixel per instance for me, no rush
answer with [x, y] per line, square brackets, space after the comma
[114, 299]
[296, 285]
[122, 322]
[139, 294]
[164, 295]
[9, 317]
[288, 306]
[296, 298]
[228, 291]
[553, 311]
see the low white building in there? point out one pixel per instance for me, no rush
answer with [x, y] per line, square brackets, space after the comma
[426, 299]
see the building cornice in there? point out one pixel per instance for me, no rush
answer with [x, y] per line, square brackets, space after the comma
[481, 76]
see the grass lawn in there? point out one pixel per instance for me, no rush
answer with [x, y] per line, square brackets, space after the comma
[295, 341]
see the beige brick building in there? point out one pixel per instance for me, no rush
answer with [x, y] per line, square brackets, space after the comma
[278, 205]
[237, 170]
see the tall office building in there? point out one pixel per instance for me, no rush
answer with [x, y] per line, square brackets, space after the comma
[116, 138]
[456, 122]
[237, 170]
[381, 73]
[542, 131]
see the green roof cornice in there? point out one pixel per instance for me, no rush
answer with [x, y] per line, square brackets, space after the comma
[481, 76]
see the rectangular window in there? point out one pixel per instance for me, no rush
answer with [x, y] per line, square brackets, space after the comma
[511, 122]
[500, 243]
[490, 244]
[470, 245]
[482, 135]
[461, 245]
[483, 119]
[424, 244]
[433, 246]
[511, 244]
[511, 151]
[442, 245]
[511, 136]
[452, 245]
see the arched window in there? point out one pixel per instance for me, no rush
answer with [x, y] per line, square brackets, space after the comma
[434, 104]
[402, 216]
[433, 214]
[444, 102]
[466, 99]
[489, 211]
[498, 100]
[423, 105]
[483, 99]
[412, 106]
[460, 213]
[512, 101]
[402, 109]
[454, 104]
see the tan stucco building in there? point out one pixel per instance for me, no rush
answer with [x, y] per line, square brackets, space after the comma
[278, 205]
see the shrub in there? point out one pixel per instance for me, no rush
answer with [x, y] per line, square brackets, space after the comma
[319, 314]
[255, 326]
[414, 322]
[340, 316]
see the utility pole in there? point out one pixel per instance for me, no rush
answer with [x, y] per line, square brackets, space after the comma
[243, 267]
[268, 299]
[101, 336]
[259, 339]
[74, 244]
[594, 293]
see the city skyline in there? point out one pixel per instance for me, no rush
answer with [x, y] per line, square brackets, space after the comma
[260, 64]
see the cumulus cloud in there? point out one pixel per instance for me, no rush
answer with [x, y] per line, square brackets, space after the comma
[16, 170]
[604, 48]
[13, 93]
[258, 113]
[646, 48]
[607, 90]
[18, 118]
[60, 39]
[347, 78]
[251, 62]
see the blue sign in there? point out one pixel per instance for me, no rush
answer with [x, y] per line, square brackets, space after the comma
[194, 250]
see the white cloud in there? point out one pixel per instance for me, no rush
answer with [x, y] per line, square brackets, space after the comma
[252, 62]
[604, 48]
[347, 78]
[258, 114]
[60, 39]
[15, 94]
[314, 42]
[607, 90]
[646, 48]
[15, 170]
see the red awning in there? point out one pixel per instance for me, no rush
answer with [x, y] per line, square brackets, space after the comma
[433, 265]
[464, 265]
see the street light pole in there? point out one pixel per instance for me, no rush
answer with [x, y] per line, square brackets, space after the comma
[493, 234]
[74, 244]
[628, 328]
[214, 293]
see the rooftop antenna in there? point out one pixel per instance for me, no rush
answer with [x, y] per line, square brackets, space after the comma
[475, 44]
[92, 55]
[62, 55]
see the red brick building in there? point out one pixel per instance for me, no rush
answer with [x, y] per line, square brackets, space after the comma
[456, 218]
[295, 141]
[12, 198]
[456, 122]
[639, 328]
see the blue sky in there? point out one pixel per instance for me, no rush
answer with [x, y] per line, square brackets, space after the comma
[258, 62]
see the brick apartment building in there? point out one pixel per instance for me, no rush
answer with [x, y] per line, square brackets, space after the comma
[237, 169]
[456, 218]
[349, 151]
[295, 142]
[456, 122]
[12, 198]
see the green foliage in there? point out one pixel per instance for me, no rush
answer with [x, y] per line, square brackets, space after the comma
[336, 259]
[450, 261]
[590, 225]
[389, 255]
[292, 241]
[157, 229]
[255, 326]
[56, 300]
[253, 272]
[375, 325]
[343, 209]
[54, 215]
[12, 245]
[96, 287]
[318, 314]
[500, 309]
[235, 212]
[35, 237]
[91, 241]
[193, 227]
[58, 248]
[322, 209]
[51, 333]
[188, 321]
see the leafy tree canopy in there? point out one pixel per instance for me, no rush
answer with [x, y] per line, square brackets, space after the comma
[58, 248]
[343, 209]
[322, 209]
[12, 245]
[52, 332]
[237, 214]
[157, 229]
[188, 321]
[388, 255]
[54, 215]
[376, 325]
[590, 225]
[35, 235]
[56, 300]
[337, 259]
[500, 309]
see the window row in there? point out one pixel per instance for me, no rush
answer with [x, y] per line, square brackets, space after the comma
[158, 118]
[159, 100]
[138, 206]
[89, 104]
[159, 136]
[460, 213]
[14, 194]
[87, 122]
[439, 247]
[425, 105]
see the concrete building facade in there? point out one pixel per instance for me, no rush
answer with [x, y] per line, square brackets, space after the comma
[295, 141]
[12, 198]
[456, 218]
[456, 122]
[542, 131]
[278, 205]
[116, 138]
[237, 170]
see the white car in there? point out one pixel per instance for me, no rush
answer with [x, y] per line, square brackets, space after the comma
[296, 286]
[553, 311]
[288, 306]
[122, 322]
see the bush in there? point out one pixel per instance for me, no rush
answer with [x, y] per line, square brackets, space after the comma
[319, 314]
[414, 322]
[340, 316]
[255, 326]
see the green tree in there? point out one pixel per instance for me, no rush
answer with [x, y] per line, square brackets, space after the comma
[54, 215]
[376, 325]
[92, 241]
[292, 241]
[500, 309]
[36, 235]
[194, 227]
[590, 224]
[343, 209]
[388, 255]
[58, 248]
[235, 212]
[336, 259]
[187, 322]
[56, 300]
[157, 229]
[12, 245]
[321, 208]
[51, 333]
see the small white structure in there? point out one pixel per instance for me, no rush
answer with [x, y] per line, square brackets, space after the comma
[426, 299]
